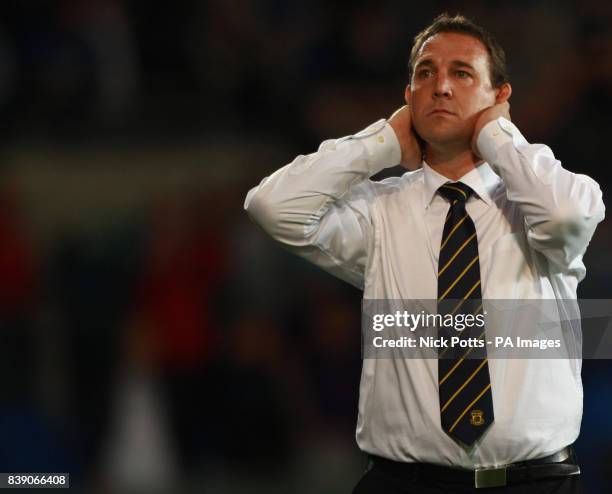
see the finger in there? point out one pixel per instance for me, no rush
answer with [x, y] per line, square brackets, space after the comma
[398, 110]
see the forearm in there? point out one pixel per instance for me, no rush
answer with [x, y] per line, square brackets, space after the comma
[290, 203]
[561, 208]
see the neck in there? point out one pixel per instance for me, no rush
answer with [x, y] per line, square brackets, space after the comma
[452, 163]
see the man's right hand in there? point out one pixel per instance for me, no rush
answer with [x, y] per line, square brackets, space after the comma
[401, 122]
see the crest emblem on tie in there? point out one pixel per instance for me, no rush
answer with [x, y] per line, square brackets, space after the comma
[476, 417]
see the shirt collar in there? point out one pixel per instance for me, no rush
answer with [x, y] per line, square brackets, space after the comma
[481, 179]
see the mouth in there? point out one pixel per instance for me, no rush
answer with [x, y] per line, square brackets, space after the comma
[440, 111]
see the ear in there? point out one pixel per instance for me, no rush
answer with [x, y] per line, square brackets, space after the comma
[407, 94]
[503, 93]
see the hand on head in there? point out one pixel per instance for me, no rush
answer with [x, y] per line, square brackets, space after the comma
[401, 122]
[501, 108]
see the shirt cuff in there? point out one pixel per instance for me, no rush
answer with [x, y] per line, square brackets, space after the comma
[381, 144]
[494, 136]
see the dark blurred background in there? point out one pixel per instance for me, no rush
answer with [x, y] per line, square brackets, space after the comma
[152, 339]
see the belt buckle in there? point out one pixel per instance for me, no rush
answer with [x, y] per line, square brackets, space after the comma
[489, 477]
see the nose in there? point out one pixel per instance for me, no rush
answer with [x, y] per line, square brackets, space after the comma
[442, 86]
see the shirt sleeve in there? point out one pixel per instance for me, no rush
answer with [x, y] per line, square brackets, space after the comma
[318, 206]
[561, 208]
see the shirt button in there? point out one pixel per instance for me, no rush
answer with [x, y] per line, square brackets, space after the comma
[381, 139]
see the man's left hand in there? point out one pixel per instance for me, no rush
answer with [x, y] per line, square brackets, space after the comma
[488, 115]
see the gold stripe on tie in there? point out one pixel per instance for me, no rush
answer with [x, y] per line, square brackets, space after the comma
[449, 211]
[441, 354]
[469, 406]
[461, 303]
[463, 385]
[458, 278]
[447, 186]
[472, 289]
[456, 253]
[453, 231]
[465, 297]
[459, 361]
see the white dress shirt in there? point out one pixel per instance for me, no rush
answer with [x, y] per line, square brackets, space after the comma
[534, 220]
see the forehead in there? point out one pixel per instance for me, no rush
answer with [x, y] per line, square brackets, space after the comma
[447, 47]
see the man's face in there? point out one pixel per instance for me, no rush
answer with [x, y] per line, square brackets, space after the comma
[450, 87]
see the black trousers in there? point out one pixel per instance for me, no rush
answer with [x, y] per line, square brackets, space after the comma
[375, 481]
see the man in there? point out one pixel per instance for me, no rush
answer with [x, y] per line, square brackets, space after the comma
[486, 215]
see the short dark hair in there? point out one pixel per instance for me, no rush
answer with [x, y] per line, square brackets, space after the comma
[498, 72]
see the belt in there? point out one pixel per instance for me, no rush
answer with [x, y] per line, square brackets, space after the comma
[560, 464]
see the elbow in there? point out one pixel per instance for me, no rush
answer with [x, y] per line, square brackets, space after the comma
[573, 221]
[585, 206]
[259, 209]
[273, 218]
[579, 213]
[568, 231]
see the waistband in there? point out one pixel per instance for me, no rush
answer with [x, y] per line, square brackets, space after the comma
[560, 464]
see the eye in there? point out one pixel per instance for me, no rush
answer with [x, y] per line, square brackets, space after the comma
[463, 74]
[423, 73]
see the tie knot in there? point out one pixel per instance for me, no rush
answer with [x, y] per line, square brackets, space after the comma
[456, 191]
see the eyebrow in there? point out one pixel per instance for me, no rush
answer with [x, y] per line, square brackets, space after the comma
[455, 63]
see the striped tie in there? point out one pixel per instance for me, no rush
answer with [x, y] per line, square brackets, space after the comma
[466, 404]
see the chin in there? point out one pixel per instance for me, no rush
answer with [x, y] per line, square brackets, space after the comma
[442, 139]
[442, 136]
